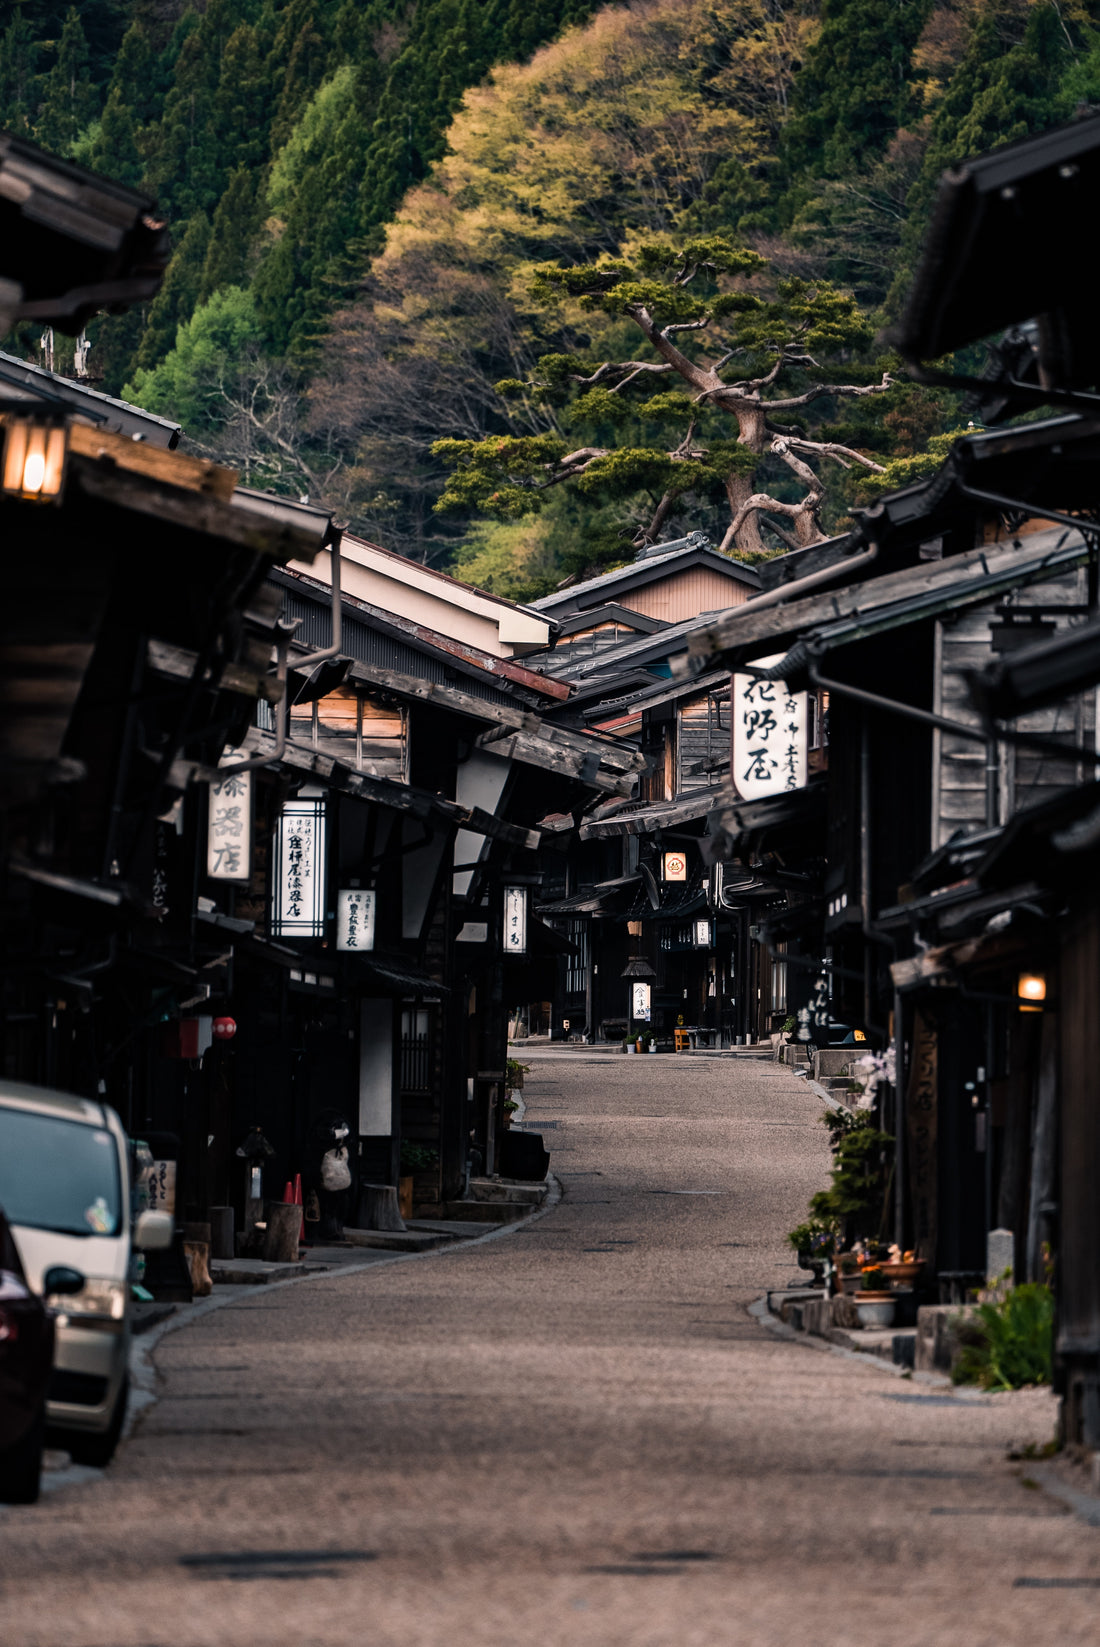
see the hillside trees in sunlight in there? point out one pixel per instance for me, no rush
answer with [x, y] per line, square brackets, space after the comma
[626, 127]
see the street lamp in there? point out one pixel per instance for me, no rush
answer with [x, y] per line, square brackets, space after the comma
[639, 972]
[35, 448]
[1031, 991]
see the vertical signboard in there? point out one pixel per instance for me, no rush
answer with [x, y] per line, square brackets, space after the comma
[769, 735]
[229, 827]
[675, 866]
[298, 870]
[640, 998]
[702, 933]
[515, 920]
[354, 919]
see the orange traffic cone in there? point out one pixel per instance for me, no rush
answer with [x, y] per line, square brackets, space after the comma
[288, 1194]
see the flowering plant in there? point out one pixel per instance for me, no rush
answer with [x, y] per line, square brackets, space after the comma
[819, 1240]
[871, 1070]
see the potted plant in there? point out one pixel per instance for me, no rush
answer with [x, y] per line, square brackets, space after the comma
[875, 1303]
[514, 1072]
[414, 1158]
[902, 1269]
[507, 1111]
[849, 1273]
[815, 1244]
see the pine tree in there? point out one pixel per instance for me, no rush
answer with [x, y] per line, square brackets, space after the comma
[231, 235]
[69, 99]
[180, 294]
[116, 150]
[18, 63]
[856, 87]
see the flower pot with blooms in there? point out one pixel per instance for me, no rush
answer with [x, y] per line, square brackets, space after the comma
[875, 1303]
[902, 1269]
[815, 1244]
[868, 1073]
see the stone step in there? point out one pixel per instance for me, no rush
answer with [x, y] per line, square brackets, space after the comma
[498, 1212]
[236, 1272]
[406, 1240]
[507, 1189]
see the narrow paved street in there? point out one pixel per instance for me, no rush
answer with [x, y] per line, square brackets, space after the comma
[575, 1432]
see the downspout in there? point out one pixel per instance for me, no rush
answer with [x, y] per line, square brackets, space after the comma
[313, 658]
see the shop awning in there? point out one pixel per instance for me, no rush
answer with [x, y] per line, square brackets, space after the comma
[646, 820]
[838, 617]
[401, 977]
[736, 827]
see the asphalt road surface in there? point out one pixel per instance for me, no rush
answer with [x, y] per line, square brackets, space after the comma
[574, 1433]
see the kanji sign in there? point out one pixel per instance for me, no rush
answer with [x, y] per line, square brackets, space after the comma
[676, 868]
[639, 1001]
[229, 827]
[355, 919]
[769, 735]
[298, 874]
[702, 933]
[515, 920]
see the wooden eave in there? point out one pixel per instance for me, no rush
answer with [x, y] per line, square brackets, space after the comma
[519, 734]
[399, 797]
[177, 489]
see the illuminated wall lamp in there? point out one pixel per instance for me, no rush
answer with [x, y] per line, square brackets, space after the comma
[35, 450]
[1031, 991]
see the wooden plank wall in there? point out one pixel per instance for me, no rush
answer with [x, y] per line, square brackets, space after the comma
[686, 595]
[704, 742]
[1025, 777]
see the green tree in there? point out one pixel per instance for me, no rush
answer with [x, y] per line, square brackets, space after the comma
[175, 303]
[691, 304]
[69, 99]
[116, 148]
[227, 256]
[191, 383]
[856, 86]
[18, 66]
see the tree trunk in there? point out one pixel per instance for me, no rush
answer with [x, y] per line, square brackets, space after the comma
[280, 1242]
[739, 489]
[378, 1208]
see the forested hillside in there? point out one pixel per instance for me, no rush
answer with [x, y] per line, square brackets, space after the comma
[361, 196]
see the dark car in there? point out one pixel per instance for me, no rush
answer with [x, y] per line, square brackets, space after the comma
[26, 1360]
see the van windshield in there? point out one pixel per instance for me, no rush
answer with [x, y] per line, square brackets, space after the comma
[58, 1175]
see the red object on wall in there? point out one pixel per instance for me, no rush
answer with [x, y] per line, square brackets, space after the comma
[187, 1037]
[225, 1029]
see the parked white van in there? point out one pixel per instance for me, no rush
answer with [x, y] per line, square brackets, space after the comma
[65, 1189]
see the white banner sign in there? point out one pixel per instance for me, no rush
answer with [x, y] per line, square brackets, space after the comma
[298, 876]
[640, 1001]
[355, 919]
[769, 735]
[229, 828]
[515, 920]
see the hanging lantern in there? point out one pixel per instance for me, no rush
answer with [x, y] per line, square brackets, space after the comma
[225, 1029]
[36, 445]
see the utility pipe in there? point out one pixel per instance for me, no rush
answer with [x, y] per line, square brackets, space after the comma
[313, 658]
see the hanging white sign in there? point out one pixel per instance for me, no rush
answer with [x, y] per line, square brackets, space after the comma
[676, 868]
[515, 920]
[702, 933]
[355, 919]
[298, 876]
[639, 992]
[769, 735]
[229, 827]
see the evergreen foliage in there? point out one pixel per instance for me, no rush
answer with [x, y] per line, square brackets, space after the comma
[360, 192]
